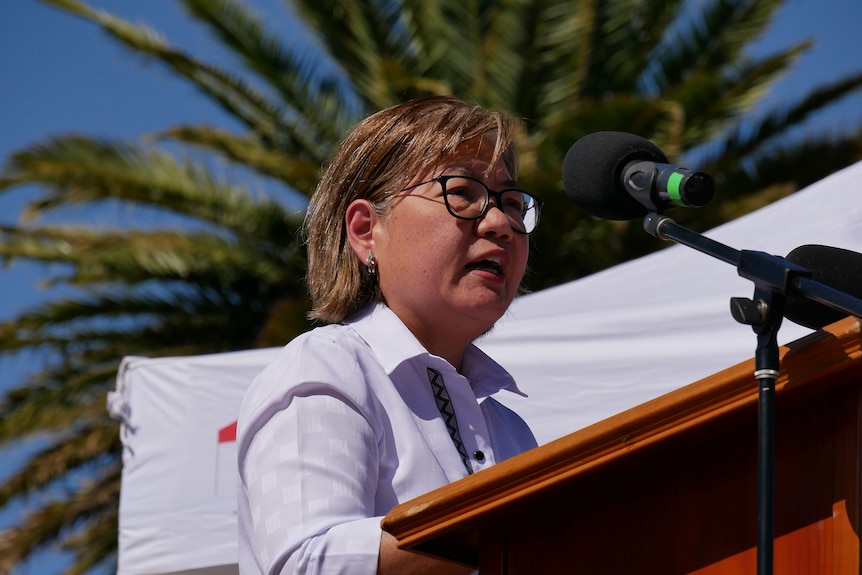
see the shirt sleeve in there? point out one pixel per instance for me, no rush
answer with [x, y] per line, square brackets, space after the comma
[309, 474]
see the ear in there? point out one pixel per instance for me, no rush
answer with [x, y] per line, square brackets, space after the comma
[360, 221]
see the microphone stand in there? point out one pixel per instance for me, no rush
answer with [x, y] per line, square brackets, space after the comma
[774, 279]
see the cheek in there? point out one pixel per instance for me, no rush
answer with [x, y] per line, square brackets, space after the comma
[415, 252]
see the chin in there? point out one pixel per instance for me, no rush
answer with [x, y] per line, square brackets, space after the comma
[482, 306]
[485, 315]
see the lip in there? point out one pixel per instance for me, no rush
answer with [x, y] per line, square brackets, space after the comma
[499, 256]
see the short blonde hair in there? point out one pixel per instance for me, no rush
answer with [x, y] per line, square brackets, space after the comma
[377, 160]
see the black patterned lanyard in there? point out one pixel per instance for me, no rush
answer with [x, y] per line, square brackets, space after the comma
[444, 404]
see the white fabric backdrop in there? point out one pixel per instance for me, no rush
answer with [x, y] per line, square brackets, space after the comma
[582, 351]
[591, 348]
[178, 498]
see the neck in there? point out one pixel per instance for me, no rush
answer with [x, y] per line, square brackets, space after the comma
[450, 346]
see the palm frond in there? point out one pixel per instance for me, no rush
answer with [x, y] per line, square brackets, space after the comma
[94, 544]
[284, 72]
[81, 170]
[54, 463]
[299, 174]
[237, 97]
[132, 258]
[564, 40]
[714, 103]
[49, 522]
[707, 41]
[745, 140]
[208, 264]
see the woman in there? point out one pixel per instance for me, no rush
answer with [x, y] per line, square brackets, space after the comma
[417, 244]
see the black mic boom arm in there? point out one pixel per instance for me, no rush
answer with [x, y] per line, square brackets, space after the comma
[768, 272]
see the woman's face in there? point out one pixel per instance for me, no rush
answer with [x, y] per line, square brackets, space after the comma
[446, 278]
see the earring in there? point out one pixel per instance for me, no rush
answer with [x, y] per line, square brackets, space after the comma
[371, 264]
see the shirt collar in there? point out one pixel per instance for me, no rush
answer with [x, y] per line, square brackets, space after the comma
[393, 344]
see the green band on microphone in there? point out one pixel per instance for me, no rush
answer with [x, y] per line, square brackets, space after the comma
[673, 190]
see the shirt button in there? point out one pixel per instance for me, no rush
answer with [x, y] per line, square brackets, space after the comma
[478, 455]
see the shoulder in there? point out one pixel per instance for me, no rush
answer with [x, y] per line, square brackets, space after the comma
[330, 360]
[330, 355]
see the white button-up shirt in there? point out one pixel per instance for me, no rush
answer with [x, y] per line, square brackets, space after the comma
[342, 427]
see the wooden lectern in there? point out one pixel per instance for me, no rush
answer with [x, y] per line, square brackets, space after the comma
[669, 487]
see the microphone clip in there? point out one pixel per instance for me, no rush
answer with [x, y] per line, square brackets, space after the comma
[659, 187]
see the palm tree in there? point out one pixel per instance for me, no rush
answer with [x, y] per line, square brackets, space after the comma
[229, 277]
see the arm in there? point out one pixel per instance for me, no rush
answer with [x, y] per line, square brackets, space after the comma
[288, 478]
[310, 460]
[309, 478]
[394, 561]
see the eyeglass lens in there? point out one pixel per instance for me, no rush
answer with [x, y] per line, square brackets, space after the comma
[469, 199]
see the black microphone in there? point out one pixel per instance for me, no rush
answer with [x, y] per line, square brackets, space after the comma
[837, 268]
[620, 176]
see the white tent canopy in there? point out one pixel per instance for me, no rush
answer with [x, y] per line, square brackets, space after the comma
[582, 351]
[591, 348]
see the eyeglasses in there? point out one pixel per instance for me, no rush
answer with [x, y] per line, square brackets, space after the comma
[469, 199]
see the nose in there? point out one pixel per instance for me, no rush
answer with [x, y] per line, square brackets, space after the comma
[494, 221]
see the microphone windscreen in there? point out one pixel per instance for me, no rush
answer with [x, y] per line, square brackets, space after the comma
[592, 173]
[837, 268]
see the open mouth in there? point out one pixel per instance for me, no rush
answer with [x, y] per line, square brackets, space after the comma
[491, 266]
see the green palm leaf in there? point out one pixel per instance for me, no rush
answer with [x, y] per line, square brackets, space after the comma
[213, 258]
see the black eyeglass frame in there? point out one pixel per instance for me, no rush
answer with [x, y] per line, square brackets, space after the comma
[489, 193]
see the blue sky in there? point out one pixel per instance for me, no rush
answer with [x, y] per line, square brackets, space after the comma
[61, 74]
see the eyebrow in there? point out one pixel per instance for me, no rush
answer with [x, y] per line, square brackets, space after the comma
[470, 173]
[458, 171]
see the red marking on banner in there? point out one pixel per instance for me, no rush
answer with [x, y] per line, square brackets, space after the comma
[227, 434]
